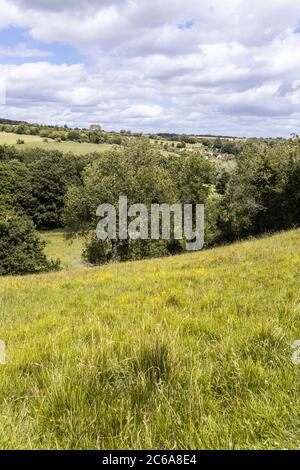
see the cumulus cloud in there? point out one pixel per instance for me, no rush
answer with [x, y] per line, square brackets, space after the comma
[179, 65]
[22, 50]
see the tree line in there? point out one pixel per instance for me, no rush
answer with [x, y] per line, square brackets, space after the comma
[94, 134]
[256, 192]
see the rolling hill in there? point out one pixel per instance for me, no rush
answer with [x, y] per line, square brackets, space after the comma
[32, 141]
[191, 351]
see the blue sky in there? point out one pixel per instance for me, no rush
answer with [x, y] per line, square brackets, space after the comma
[54, 52]
[186, 24]
[225, 67]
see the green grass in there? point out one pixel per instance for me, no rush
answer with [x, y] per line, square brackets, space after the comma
[58, 247]
[32, 141]
[186, 352]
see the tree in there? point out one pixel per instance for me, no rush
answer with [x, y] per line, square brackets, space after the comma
[74, 135]
[181, 145]
[263, 191]
[22, 129]
[95, 137]
[51, 175]
[15, 187]
[195, 178]
[135, 171]
[95, 127]
[21, 250]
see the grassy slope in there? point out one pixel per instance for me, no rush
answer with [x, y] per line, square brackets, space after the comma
[36, 141]
[58, 247]
[186, 352]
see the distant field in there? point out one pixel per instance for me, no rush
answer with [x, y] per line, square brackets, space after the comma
[58, 247]
[36, 141]
[188, 352]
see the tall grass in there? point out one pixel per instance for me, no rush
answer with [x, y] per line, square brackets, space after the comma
[69, 252]
[187, 352]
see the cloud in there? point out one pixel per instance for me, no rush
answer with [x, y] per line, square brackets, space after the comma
[143, 111]
[178, 65]
[22, 50]
[66, 5]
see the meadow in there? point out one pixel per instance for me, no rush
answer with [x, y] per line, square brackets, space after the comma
[185, 352]
[32, 141]
[69, 252]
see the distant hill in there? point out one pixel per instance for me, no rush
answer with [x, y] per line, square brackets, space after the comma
[11, 122]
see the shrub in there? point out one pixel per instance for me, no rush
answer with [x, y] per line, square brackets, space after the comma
[96, 251]
[21, 250]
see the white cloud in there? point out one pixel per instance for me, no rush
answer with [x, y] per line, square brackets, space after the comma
[143, 111]
[22, 50]
[231, 69]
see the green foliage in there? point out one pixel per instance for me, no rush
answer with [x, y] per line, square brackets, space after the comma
[258, 193]
[96, 252]
[15, 187]
[196, 176]
[21, 250]
[181, 145]
[137, 172]
[254, 190]
[35, 182]
[94, 135]
[263, 192]
[51, 176]
[74, 135]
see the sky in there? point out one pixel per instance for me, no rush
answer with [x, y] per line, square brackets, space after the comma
[229, 67]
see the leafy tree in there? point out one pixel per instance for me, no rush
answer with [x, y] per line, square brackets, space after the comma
[263, 192]
[15, 187]
[74, 135]
[21, 250]
[95, 127]
[135, 171]
[8, 152]
[95, 137]
[22, 129]
[196, 176]
[51, 176]
[181, 145]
